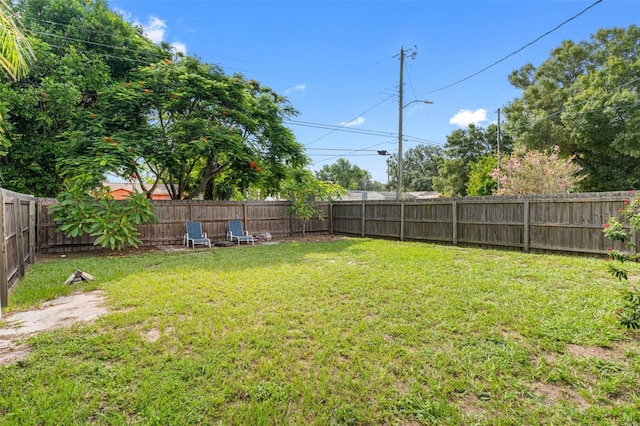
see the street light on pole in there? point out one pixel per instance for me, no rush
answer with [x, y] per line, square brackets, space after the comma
[400, 193]
[401, 107]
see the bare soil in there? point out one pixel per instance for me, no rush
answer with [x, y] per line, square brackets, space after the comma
[53, 314]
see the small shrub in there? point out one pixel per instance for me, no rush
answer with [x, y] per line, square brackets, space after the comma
[113, 223]
[628, 314]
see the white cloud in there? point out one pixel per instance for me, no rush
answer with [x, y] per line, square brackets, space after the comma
[125, 15]
[299, 88]
[154, 29]
[179, 47]
[464, 117]
[357, 122]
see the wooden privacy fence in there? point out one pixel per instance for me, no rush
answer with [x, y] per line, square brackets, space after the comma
[257, 217]
[564, 223]
[18, 245]
[570, 223]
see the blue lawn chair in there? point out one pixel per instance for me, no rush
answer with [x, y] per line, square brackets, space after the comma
[195, 235]
[236, 233]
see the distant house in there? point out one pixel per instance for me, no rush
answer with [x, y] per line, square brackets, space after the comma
[353, 195]
[121, 191]
[423, 195]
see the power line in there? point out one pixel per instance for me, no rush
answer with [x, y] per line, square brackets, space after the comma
[353, 151]
[516, 51]
[106, 55]
[360, 131]
[342, 149]
[93, 43]
[553, 114]
[339, 128]
[347, 122]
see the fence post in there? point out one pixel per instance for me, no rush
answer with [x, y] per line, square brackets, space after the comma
[526, 226]
[290, 223]
[454, 222]
[32, 232]
[363, 216]
[17, 211]
[4, 276]
[401, 220]
[331, 218]
[244, 216]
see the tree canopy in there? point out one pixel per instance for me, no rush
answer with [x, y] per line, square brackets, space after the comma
[584, 99]
[102, 98]
[465, 147]
[419, 168]
[480, 180]
[345, 174]
[186, 125]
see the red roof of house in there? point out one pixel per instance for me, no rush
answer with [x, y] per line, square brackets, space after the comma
[121, 191]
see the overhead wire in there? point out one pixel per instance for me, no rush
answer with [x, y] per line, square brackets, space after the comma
[556, 113]
[360, 131]
[123, 48]
[516, 51]
[344, 155]
[344, 127]
[346, 123]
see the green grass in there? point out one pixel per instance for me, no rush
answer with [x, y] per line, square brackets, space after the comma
[346, 332]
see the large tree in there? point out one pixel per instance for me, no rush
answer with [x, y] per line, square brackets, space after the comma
[419, 168]
[80, 47]
[584, 99]
[186, 125]
[463, 148]
[345, 174]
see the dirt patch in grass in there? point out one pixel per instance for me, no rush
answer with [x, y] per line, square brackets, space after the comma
[579, 351]
[53, 314]
[553, 394]
[617, 353]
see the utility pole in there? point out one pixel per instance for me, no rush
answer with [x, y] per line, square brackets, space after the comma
[400, 193]
[498, 142]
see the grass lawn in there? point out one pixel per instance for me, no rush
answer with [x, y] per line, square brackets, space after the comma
[345, 332]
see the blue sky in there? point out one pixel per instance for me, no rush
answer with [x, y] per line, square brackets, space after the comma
[337, 61]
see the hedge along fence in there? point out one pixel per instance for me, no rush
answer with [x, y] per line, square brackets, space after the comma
[18, 245]
[564, 223]
[257, 217]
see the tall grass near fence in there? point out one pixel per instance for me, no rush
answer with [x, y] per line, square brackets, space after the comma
[347, 332]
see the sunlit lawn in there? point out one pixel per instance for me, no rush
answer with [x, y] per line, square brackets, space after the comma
[346, 332]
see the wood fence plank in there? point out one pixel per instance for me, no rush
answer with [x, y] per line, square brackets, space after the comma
[32, 232]
[4, 276]
[19, 241]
